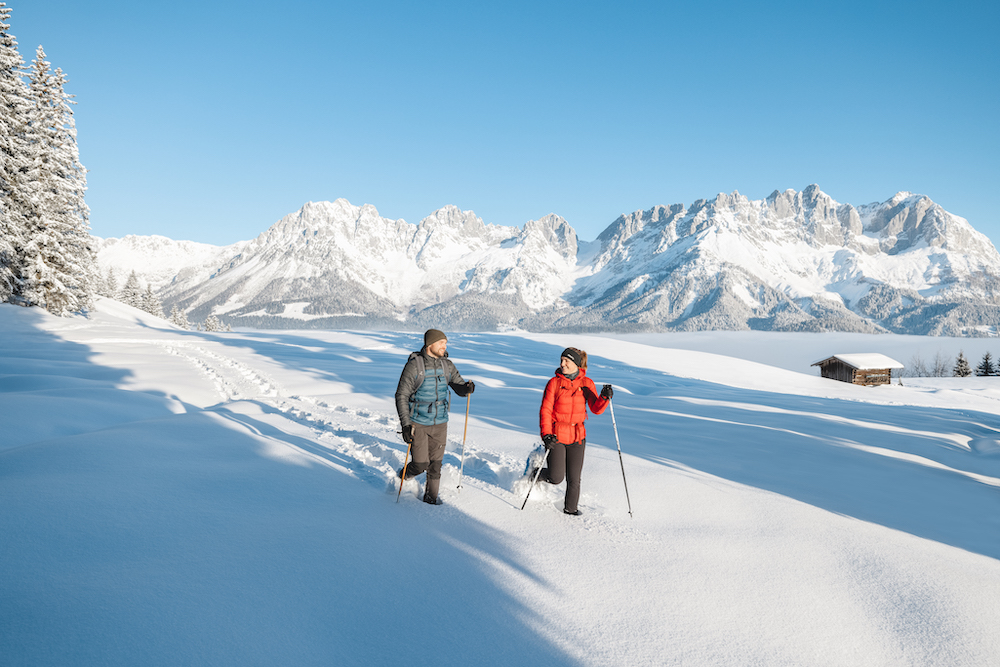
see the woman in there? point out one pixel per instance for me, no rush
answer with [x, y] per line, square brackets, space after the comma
[564, 409]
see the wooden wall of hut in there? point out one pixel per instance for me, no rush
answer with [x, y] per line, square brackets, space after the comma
[870, 377]
[838, 370]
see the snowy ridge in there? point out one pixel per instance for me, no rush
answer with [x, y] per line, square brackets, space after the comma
[796, 261]
[160, 260]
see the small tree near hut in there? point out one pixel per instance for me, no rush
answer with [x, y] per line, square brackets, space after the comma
[986, 367]
[962, 368]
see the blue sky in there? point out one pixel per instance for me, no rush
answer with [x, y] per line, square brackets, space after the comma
[211, 120]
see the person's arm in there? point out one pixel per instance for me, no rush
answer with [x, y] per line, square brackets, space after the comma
[545, 419]
[597, 403]
[404, 390]
[458, 384]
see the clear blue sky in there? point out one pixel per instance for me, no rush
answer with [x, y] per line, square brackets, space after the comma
[211, 120]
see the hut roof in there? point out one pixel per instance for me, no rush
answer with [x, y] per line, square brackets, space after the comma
[865, 361]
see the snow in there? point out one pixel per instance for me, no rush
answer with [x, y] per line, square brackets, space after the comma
[864, 361]
[175, 497]
[157, 258]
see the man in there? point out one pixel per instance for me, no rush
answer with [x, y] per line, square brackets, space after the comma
[422, 401]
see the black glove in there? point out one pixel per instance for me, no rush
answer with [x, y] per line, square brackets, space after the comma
[408, 434]
[464, 389]
[607, 392]
[549, 440]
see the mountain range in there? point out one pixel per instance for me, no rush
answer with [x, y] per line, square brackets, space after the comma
[795, 261]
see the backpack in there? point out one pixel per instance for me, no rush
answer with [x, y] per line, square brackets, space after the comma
[420, 366]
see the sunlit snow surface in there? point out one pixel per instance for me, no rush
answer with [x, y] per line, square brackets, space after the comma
[173, 497]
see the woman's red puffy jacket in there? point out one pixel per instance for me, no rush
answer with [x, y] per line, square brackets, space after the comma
[564, 406]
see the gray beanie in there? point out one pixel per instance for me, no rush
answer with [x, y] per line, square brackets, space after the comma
[432, 336]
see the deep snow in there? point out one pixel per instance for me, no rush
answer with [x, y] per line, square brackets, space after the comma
[174, 497]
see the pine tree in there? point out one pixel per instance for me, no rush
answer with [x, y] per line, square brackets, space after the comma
[962, 368]
[16, 197]
[178, 318]
[73, 194]
[986, 367]
[46, 257]
[65, 191]
[109, 285]
[56, 256]
[151, 304]
[131, 293]
[212, 323]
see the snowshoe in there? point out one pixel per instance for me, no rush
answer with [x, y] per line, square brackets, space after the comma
[536, 460]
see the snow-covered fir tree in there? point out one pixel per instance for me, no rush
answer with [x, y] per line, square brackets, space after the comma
[151, 304]
[962, 368]
[68, 191]
[109, 285]
[15, 190]
[132, 293]
[178, 318]
[46, 258]
[213, 323]
[986, 367]
[58, 256]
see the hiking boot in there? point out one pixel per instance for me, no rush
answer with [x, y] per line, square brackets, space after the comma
[433, 501]
[573, 513]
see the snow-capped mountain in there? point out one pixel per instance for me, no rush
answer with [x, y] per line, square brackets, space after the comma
[794, 261]
[159, 260]
[335, 264]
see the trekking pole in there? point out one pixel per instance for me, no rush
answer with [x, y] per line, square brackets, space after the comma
[402, 478]
[620, 460]
[468, 399]
[533, 480]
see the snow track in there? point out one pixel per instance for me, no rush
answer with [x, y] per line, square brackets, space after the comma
[365, 442]
[233, 380]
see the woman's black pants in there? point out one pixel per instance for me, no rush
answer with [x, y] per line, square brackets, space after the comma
[566, 462]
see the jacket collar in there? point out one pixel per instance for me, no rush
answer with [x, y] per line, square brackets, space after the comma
[582, 373]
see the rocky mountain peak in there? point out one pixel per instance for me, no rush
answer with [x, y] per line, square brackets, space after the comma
[797, 260]
[554, 232]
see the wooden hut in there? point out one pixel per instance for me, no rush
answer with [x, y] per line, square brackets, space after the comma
[864, 369]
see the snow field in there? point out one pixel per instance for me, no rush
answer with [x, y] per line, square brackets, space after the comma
[176, 497]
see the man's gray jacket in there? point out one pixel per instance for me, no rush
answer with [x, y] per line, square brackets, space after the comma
[422, 394]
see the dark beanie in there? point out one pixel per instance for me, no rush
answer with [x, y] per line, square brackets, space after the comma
[432, 336]
[573, 356]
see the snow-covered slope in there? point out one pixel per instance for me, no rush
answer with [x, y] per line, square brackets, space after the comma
[796, 261]
[174, 497]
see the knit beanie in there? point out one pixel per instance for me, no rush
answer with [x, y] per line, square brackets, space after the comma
[432, 336]
[573, 356]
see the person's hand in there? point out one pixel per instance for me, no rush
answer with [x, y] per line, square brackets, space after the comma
[408, 434]
[470, 387]
[549, 440]
[607, 392]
